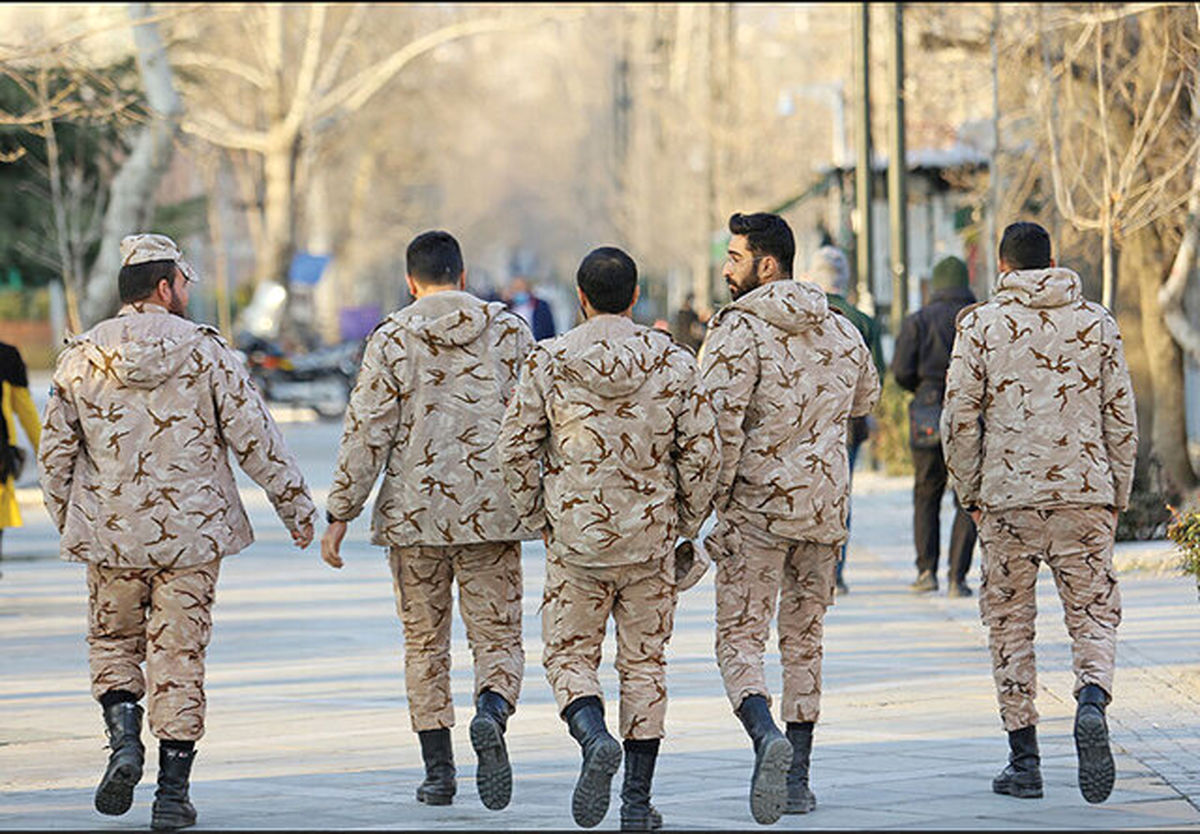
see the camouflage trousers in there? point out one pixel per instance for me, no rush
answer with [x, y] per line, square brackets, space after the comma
[1077, 544]
[575, 609]
[164, 619]
[756, 570]
[489, 600]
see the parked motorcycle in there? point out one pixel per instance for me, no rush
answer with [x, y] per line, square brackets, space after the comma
[320, 379]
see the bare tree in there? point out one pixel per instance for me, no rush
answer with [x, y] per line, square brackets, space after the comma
[339, 70]
[131, 200]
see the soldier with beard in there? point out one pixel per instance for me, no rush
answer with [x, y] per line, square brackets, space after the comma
[786, 373]
[144, 411]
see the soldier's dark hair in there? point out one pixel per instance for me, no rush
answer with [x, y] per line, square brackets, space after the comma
[138, 281]
[1025, 246]
[434, 258]
[767, 234]
[608, 278]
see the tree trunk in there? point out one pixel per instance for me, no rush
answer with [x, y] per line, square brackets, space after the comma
[1144, 260]
[131, 198]
[279, 211]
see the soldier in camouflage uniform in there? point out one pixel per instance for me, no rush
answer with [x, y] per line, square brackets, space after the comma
[426, 409]
[1040, 436]
[143, 413]
[786, 372]
[610, 445]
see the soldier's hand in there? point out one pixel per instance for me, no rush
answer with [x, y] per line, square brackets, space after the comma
[331, 543]
[976, 515]
[303, 537]
[546, 536]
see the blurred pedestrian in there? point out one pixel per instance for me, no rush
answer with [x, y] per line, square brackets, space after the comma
[919, 364]
[686, 326]
[830, 271]
[15, 404]
[426, 410]
[1040, 432]
[143, 413]
[784, 372]
[611, 446]
[534, 310]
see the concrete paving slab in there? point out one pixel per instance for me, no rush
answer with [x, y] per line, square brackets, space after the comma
[308, 725]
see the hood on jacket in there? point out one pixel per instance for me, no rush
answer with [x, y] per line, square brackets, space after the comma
[1055, 286]
[619, 362]
[137, 361]
[449, 317]
[792, 306]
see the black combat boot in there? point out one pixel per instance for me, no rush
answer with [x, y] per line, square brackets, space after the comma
[800, 799]
[493, 773]
[1022, 777]
[123, 720]
[601, 758]
[172, 808]
[1096, 771]
[437, 751]
[772, 758]
[637, 814]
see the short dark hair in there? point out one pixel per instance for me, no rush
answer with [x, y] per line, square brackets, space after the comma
[434, 258]
[608, 278]
[766, 234]
[138, 281]
[1025, 246]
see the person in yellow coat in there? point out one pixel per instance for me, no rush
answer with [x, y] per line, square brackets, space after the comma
[14, 399]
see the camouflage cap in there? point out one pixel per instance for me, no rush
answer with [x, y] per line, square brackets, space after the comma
[143, 248]
[691, 563]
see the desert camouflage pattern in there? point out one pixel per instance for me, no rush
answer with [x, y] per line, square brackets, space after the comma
[758, 570]
[786, 374]
[489, 598]
[145, 248]
[145, 408]
[1039, 408]
[161, 618]
[575, 609]
[610, 440]
[426, 409]
[1077, 544]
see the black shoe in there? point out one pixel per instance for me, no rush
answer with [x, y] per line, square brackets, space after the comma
[926, 582]
[437, 752]
[114, 794]
[493, 773]
[959, 589]
[637, 814]
[841, 587]
[800, 798]
[172, 808]
[601, 758]
[1022, 777]
[1096, 770]
[772, 758]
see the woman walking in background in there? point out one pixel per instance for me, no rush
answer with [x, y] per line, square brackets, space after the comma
[14, 398]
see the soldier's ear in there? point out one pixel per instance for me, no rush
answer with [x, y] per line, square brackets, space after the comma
[462, 279]
[412, 285]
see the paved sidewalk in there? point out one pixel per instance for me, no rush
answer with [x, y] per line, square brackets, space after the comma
[309, 728]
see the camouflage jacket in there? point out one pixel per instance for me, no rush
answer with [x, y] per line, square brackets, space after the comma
[611, 442]
[426, 409]
[1039, 408]
[786, 373]
[134, 456]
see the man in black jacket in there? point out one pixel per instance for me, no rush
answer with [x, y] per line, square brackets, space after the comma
[919, 364]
